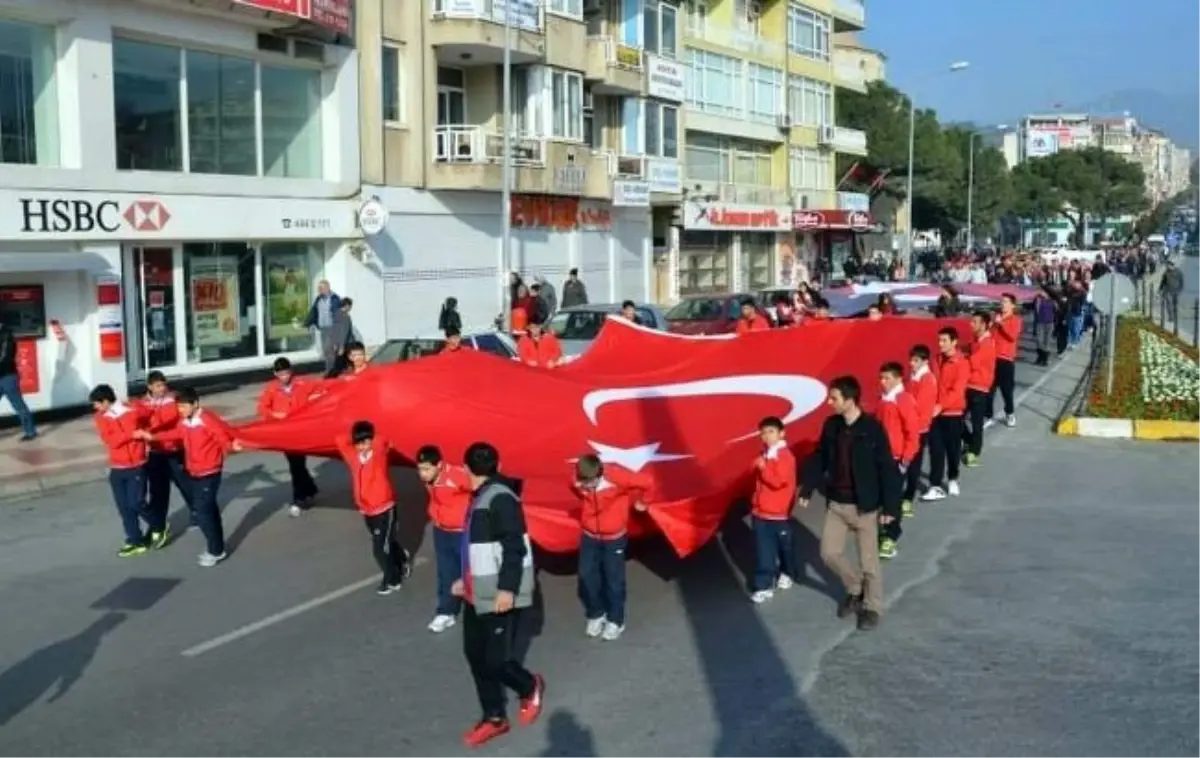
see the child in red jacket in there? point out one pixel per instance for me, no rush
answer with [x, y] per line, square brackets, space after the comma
[539, 348]
[280, 398]
[164, 465]
[898, 414]
[449, 489]
[206, 440]
[770, 513]
[982, 362]
[946, 432]
[366, 457]
[1007, 331]
[119, 426]
[923, 386]
[608, 494]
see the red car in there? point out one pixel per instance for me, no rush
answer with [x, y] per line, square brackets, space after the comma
[709, 314]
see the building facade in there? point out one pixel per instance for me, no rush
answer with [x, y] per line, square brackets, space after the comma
[177, 177]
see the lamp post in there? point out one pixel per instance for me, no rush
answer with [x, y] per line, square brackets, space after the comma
[912, 142]
[506, 173]
[971, 187]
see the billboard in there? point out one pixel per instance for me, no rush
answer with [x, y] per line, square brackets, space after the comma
[1041, 142]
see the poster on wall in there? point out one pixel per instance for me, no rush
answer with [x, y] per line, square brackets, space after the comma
[29, 379]
[214, 289]
[287, 294]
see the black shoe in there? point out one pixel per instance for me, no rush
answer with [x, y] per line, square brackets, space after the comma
[868, 620]
[386, 589]
[850, 604]
[28, 437]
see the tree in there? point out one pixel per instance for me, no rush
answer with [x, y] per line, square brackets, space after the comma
[1034, 196]
[992, 196]
[1092, 182]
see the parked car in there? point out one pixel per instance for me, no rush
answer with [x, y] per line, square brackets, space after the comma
[709, 314]
[578, 325]
[410, 348]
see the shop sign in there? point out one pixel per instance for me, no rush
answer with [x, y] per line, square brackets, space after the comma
[29, 378]
[629, 194]
[110, 319]
[27, 215]
[855, 221]
[570, 180]
[524, 13]
[558, 213]
[854, 201]
[331, 14]
[664, 78]
[372, 216]
[629, 56]
[718, 216]
[664, 175]
[216, 318]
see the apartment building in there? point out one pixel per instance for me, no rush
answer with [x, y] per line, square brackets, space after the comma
[760, 141]
[176, 179]
[596, 89]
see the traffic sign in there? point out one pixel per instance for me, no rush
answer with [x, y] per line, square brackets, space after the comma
[1113, 294]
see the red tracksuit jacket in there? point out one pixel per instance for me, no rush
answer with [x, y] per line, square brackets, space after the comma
[756, 324]
[116, 427]
[541, 352]
[449, 498]
[206, 439]
[983, 364]
[952, 384]
[606, 508]
[775, 484]
[277, 398]
[162, 415]
[370, 477]
[923, 386]
[898, 415]
[1007, 332]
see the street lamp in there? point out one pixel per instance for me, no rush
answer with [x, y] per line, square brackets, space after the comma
[506, 173]
[971, 186]
[912, 140]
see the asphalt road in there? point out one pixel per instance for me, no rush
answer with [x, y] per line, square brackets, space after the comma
[1050, 610]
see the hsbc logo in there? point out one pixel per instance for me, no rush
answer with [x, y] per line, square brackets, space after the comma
[78, 216]
[147, 215]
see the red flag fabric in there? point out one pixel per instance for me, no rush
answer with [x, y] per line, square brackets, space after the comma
[684, 409]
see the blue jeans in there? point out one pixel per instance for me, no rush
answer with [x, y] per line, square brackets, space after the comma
[129, 491]
[447, 551]
[602, 578]
[163, 469]
[774, 551]
[10, 387]
[1075, 329]
[208, 513]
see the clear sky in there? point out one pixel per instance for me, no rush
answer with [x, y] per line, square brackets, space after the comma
[1027, 55]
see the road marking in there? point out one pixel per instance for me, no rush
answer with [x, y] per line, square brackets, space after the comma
[284, 615]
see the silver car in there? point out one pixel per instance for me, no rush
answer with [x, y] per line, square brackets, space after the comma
[411, 348]
[578, 325]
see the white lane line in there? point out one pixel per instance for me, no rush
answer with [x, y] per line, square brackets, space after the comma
[284, 615]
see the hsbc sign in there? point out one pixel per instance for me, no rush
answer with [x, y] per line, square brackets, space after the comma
[74, 215]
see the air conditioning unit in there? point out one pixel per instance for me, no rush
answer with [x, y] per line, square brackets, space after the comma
[826, 134]
[784, 121]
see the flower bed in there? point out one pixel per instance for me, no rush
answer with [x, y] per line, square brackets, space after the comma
[1156, 376]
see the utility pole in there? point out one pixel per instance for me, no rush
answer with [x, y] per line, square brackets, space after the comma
[970, 191]
[506, 177]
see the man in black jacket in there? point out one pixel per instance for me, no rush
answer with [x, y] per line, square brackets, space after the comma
[10, 383]
[497, 585]
[855, 470]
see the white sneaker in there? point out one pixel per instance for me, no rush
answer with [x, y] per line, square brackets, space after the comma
[295, 510]
[612, 632]
[934, 493]
[954, 490]
[441, 623]
[595, 627]
[989, 423]
[208, 560]
[762, 596]
[1010, 421]
[784, 583]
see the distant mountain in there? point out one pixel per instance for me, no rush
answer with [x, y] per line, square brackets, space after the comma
[1173, 114]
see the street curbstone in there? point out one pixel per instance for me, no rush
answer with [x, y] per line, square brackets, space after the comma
[1123, 428]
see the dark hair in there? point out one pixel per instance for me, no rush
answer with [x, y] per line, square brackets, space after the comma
[771, 422]
[893, 368]
[983, 316]
[848, 387]
[102, 393]
[347, 302]
[1010, 297]
[281, 364]
[589, 467]
[820, 302]
[354, 345]
[628, 304]
[187, 395]
[573, 272]
[448, 316]
[156, 376]
[919, 351]
[875, 307]
[453, 331]
[950, 332]
[482, 459]
[429, 454]
[747, 302]
[362, 431]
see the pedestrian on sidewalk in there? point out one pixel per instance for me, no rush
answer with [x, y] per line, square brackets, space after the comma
[321, 316]
[497, 587]
[282, 397]
[1045, 316]
[164, 466]
[898, 414]
[10, 383]
[1006, 329]
[119, 428]
[449, 491]
[946, 434]
[856, 472]
[366, 457]
[981, 375]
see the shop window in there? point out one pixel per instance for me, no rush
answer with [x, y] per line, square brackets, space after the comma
[28, 96]
[220, 114]
[703, 262]
[154, 272]
[291, 122]
[148, 115]
[757, 265]
[289, 270]
[221, 307]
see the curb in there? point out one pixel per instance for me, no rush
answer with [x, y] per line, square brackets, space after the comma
[1129, 429]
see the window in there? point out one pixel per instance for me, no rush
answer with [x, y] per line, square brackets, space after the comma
[758, 269]
[728, 161]
[659, 30]
[764, 93]
[565, 95]
[697, 13]
[220, 301]
[572, 8]
[661, 130]
[28, 96]
[715, 85]
[706, 158]
[810, 102]
[391, 58]
[810, 170]
[289, 270]
[241, 117]
[808, 33]
[747, 14]
[593, 132]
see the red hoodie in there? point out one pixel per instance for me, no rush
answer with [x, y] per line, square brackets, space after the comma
[542, 352]
[449, 498]
[1007, 331]
[607, 506]
[952, 384]
[206, 439]
[775, 484]
[898, 414]
[755, 323]
[162, 416]
[280, 398]
[116, 427]
[982, 361]
[370, 477]
[923, 386]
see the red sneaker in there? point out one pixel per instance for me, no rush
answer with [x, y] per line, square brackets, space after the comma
[485, 731]
[531, 707]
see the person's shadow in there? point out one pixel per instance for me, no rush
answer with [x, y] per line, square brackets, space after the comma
[568, 737]
[60, 665]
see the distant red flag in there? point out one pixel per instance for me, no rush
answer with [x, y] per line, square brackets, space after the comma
[852, 172]
[875, 185]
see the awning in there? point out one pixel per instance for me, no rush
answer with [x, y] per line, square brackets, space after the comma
[18, 262]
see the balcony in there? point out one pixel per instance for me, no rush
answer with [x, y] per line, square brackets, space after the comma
[662, 174]
[742, 40]
[613, 68]
[467, 157]
[847, 75]
[471, 32]
[740, 194]
[849, 15]
[844, 140]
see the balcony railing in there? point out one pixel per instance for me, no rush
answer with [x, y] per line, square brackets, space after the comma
[618, 55]
[855, 10]
[850, 140]
[475, 144]
[525, 14]
[737, 38]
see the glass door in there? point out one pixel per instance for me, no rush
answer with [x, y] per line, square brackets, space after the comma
[154, 277]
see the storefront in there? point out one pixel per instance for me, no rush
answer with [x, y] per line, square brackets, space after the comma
[105, 287]
[727, 247]
[833, 234]
[437, 245]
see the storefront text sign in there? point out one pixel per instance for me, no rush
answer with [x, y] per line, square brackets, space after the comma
[631, 194]
[854, 201]
[27, 215]
[725, 216]
[570, 180]
[558, 213]
[664, 175]
[664, 78]
[856, 221]
[331, 14]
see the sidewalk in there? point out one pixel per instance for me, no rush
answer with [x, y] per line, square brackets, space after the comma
[68, 452]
